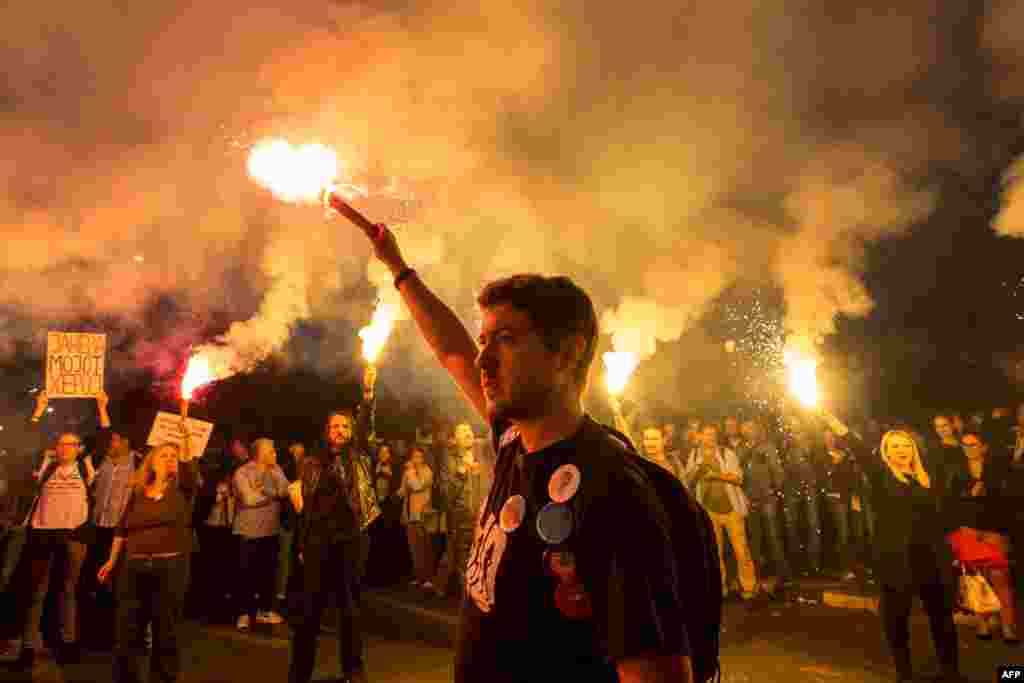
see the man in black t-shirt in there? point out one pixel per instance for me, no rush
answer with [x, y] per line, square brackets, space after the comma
[549, 596]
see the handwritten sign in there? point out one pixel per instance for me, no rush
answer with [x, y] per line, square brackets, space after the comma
[167, 429]
[75, 363]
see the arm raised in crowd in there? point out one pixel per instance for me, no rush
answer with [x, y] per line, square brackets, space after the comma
[449, 339]
[366, 416]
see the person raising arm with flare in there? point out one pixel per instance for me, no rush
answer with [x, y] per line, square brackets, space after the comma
[911, 554]
[526, 378]
[149, 561]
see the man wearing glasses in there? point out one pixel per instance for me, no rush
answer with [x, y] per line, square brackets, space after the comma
[58, 529]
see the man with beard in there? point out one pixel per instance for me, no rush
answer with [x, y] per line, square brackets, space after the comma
[654, 450]
[336, 506]
[547, 596]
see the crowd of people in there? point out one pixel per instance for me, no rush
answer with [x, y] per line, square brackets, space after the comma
[252, 535]
[793, 500]
[232, 545]
[814, 498]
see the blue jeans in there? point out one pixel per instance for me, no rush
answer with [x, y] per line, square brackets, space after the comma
[848, 525]
[795, 502]
[763, 521]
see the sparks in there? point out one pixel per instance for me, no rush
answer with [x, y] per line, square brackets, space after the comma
[801, 372]
[376, 333]
[293, 174]
[618, 366]
[196, 375]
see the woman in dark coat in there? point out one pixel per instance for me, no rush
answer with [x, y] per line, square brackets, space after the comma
[976, 512]
[911, 555]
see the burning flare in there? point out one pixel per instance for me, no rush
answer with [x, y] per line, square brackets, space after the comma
[801, 375]
[376, 333]
[197, 374]
[293, 174]
[618, 367]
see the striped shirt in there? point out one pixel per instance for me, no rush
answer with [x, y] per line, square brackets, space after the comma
[113, 484]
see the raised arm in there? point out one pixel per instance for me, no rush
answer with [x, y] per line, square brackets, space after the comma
[366, 417]
[449, 339]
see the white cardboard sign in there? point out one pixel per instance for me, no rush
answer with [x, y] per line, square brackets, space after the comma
[167, 429]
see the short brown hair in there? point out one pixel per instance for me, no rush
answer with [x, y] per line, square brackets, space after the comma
[556, 306]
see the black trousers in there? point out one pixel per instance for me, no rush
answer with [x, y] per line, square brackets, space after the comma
[97, 610]
[216, 571]
[938, 604]
[326, 570]
[258, 564]
[149, 591]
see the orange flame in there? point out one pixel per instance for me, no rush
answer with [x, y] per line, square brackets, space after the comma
[376, 333]
[293, 174]
[197, 374]
[619, 367]
[802, 375]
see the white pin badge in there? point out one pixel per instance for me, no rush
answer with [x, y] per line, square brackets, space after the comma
[512, 513]
[564, 483]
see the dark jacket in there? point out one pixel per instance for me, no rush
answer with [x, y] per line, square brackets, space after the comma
[909, 543]
[338, 508]
[986, 512]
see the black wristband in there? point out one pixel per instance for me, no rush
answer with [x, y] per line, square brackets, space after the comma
[403, 276]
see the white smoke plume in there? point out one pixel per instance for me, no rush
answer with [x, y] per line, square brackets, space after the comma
[658, 153]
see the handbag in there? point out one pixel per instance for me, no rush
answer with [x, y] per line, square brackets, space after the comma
[976, 594]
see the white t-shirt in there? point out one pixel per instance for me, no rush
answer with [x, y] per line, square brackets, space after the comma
[63, 503]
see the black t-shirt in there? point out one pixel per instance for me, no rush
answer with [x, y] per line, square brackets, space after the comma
[512, 628]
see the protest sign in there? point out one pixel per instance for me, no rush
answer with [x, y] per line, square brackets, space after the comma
[75, 363]
[167, 429]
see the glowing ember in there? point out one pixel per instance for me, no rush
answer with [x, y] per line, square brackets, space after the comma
[618, 367]
[293, 174]
[197, 374]
[376, 333]
[801, 373]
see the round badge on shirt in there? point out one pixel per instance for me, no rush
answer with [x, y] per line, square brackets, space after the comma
[554, 523]
[512, 513]
[564, 483]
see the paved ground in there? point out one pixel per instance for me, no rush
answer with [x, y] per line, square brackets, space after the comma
[785, 642]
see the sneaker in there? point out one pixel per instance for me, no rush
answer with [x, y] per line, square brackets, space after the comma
[269, 617]
[243, 622]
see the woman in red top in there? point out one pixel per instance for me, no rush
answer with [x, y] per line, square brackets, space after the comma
[155, 538]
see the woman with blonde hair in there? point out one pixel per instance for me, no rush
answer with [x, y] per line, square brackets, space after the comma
[155, 540]
[911, 555]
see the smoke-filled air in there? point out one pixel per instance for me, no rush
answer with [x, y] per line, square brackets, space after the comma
[655, 152]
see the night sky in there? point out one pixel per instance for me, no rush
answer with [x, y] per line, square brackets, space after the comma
[823, 170]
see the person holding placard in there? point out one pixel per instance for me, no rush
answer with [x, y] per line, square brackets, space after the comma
[59, 529]
[155, 540]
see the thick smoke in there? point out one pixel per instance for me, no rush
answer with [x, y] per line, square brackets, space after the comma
[655, 153]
